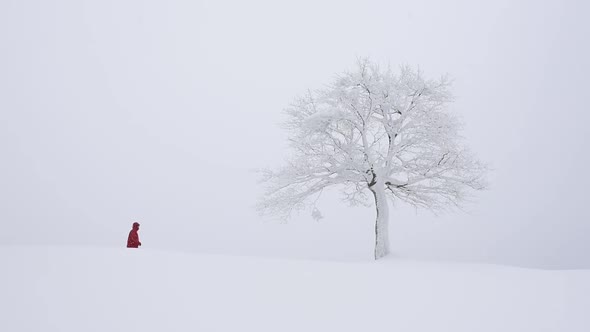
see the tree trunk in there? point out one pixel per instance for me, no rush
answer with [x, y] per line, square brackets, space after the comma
[382, 220]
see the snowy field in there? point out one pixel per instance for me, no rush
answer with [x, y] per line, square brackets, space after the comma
[81, 289]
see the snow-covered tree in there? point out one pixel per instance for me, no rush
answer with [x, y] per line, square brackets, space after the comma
[375, 131]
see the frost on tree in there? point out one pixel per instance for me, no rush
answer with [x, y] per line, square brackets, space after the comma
[377, 135]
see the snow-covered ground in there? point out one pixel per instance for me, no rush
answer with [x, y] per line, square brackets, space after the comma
[81, 289]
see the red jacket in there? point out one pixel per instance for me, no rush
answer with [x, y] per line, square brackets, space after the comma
[133, 239]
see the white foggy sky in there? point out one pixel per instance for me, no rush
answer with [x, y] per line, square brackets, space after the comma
[112, 111]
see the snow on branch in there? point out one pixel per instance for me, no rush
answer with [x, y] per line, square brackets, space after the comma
[375, 127]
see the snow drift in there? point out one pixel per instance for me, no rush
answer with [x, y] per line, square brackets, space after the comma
[90, 289]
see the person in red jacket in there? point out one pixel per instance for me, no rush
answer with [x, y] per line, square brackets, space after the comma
[133, 239]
